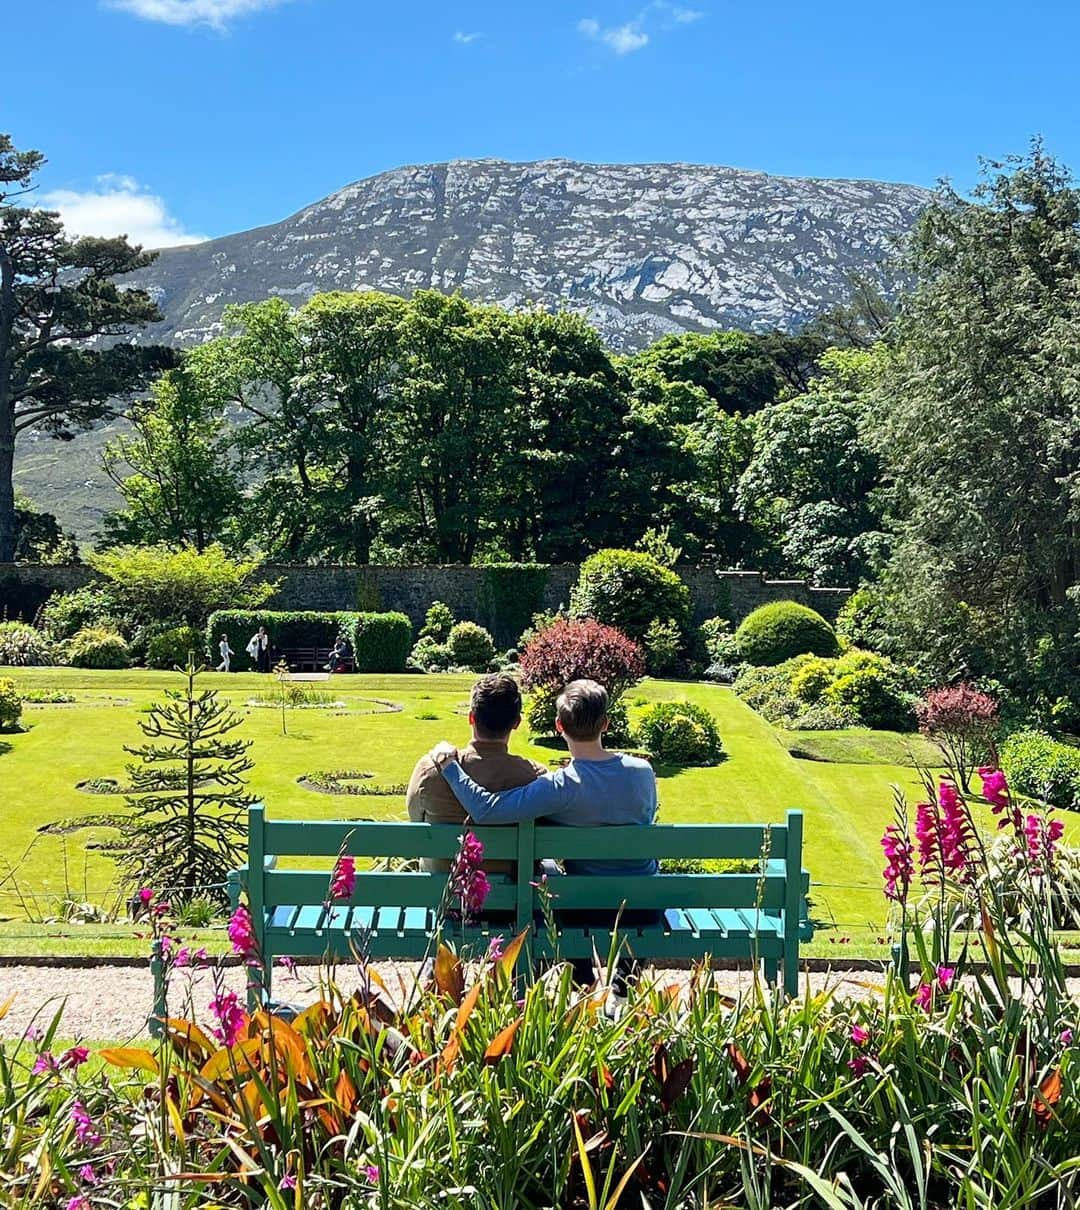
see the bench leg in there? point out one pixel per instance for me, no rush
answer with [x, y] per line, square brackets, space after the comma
[771, 970]
[791, 975]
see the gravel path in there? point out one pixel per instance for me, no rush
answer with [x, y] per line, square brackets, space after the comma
[112, 1002]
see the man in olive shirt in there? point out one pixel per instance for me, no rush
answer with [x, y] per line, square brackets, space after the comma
[494, 714]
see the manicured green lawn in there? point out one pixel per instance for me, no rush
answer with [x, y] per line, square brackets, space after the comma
[846, 804]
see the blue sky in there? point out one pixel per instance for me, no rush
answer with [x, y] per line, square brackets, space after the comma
[180, 118]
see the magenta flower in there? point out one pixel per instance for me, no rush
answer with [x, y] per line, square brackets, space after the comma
[242, 935]
[288, 1181]
[1041, 838]
[926, 837]
[995, 788]
[1066, 1038]
[85, 1132]
[87, 1175]
[343, 881]
[231, 1018]
[859, 1035]
[859, 1065]
[955, 836]
[467, 881]
[495, 949]
[145, 896]
[75, 1057]
[945, 977]
[472, 849]
[897, 874]
[371, 1173]
[78, 1202]
[924, 996]
[288, 965]
[43, 1063]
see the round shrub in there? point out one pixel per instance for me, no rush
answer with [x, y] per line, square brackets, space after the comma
[777, 632]
[470, 646]
[10, 705]
[810, 681]
[628, 589]
[429, 655]
[170, 649]
[22, 645]
[570, 651]
[1042, 767]
[94, 648]
[680, 733]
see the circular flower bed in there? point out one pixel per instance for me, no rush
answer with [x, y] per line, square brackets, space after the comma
[348, 781]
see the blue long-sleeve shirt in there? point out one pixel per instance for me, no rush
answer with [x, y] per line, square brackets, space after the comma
[585, 794]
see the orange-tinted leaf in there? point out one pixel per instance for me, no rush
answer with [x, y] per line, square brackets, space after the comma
[677, 1082]
[130, 1056]
[345, 1092]
[501, 1043]
[510, 954]
[449, 974]
[467, 1006]
[660, 1064]
[226, 1061]
[189, 1039]
[5, 1008]
[1046, 1097]
[292, 1049]
[759, 1095]
[738, 1059]
[316, 1020]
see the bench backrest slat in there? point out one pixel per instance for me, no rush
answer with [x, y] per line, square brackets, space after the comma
[677, 890]
[740, 841]
[370, 838]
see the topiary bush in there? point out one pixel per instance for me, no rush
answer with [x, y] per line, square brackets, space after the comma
[628, 589]
[22, 645]
[96, 648]
[782, 630]
[470, 646]
[10, 705]
[680, 733]
[169, 649]
[1042, 767]
[380, 641]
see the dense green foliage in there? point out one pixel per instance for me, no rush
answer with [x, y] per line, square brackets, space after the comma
[811, 693]
[23, 645]
[66, 613]
[171, 648]
[1043, 767]
[629, 590]
[510, 593]
[680, 733]
[470, 646]
[59, 293]
[93, 647]
[10, 705]
[780, 630]
[380, 641]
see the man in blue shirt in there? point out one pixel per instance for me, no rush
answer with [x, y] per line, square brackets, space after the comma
[596, 788]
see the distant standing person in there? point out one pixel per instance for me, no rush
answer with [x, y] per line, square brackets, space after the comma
[226, 653]
[259, 650]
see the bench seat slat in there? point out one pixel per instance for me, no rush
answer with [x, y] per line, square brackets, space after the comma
[388, 919]
[308, 918]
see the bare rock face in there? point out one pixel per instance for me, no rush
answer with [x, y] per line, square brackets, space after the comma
[641, 249]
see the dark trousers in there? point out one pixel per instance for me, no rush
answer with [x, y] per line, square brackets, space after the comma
[262, 659]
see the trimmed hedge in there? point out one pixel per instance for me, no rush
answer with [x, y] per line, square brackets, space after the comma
[628, 589]
[782, 630]
[380, 641]
[1042, 767]
[169, 649]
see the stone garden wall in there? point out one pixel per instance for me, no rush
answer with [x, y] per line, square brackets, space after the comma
[732, 594]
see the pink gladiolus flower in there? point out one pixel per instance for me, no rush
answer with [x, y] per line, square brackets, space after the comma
[955, 837]
[897, 874]
[84, 1125]
[75, 1057]
[344, 878]
[87, 1175]
[32, 1034]
[288, 1181]
[859, 1065]
[495, 949]
[159, 909]
[145, 895]
[78, 1202]
[472, 849]
[1041, 838]
[43, 1063]
[242, 935]
[288, 965]
[924, 996]
[995, 788]
[1066, 1038]
[371, 1172]
[467, 881]
[926, 837]
[859, 1035]
[232, 1018]
[945, 977]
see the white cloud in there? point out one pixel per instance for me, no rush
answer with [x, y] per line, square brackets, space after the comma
[684, 16]
[622, 39]
[119, 206]
[464, 39]
[215, 13]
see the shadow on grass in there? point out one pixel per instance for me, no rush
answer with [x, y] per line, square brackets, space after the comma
[5, 747]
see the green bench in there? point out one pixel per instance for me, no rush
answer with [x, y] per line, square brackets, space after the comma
[760, 916]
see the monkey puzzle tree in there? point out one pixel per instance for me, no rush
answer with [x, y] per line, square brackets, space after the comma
[188, 799]
[56, 296]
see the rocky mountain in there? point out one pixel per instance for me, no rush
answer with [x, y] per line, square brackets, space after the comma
[641, 249]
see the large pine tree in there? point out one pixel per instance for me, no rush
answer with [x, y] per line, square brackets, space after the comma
[57, 295]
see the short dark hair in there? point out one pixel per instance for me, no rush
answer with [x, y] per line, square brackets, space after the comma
[495, 704]
[582, 709]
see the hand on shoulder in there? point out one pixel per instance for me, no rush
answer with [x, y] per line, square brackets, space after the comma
[442, 754]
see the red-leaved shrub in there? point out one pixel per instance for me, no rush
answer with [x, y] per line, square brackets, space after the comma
[570, 651]
[961, 720]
